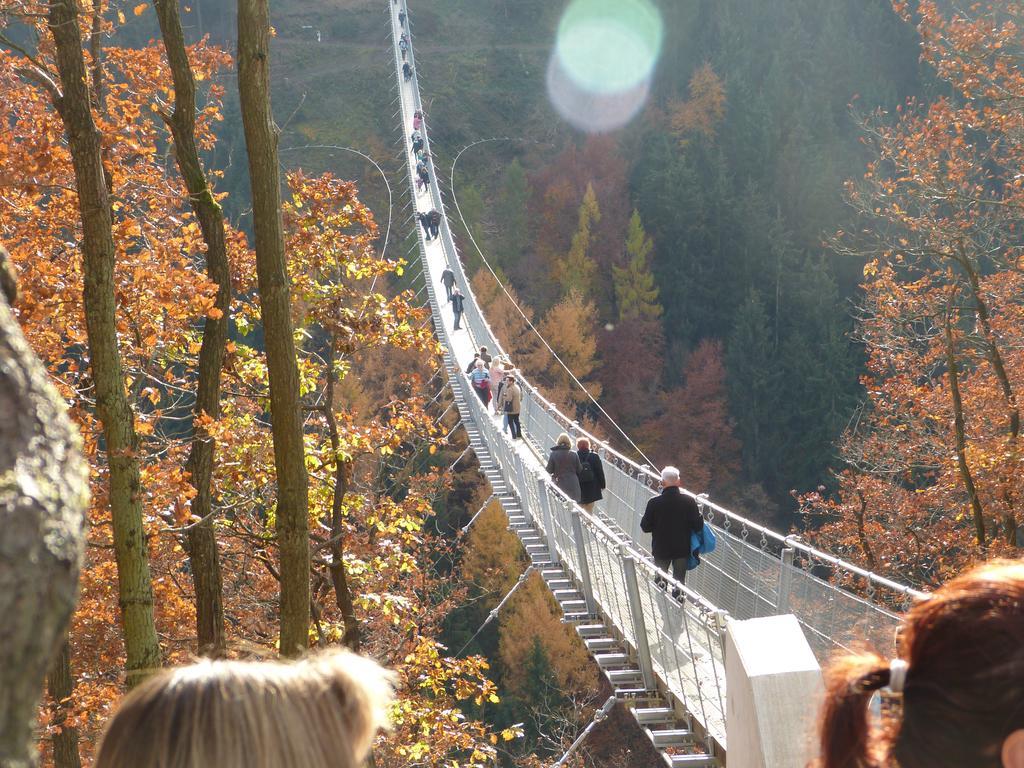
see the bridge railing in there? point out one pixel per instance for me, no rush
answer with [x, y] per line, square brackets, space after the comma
[755, 571]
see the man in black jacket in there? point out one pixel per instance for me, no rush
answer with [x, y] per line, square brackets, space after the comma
[671, 518]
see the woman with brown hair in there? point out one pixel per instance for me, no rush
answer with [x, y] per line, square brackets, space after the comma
[956, 694]
[320, 712]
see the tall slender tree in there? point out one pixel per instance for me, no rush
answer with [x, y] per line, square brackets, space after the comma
[261, 136]
[73, 102]
[200, 541]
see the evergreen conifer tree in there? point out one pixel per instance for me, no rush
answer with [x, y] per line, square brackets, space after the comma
[635, 290]
[575, 273]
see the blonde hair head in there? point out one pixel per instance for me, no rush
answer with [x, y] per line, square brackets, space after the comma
[563, 439]
[320, 712]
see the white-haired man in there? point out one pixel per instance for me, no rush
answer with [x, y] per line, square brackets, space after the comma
[671, 518]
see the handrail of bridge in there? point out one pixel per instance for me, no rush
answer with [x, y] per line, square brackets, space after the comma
[777, 574]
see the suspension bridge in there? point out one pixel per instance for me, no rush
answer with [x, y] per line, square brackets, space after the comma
[663, 656]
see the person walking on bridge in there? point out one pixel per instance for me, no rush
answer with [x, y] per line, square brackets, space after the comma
[401, 18]
[417, 141]
[422, 177]
[447, 280]
[591, 475]
[564, 467]
[481, 382]
[407, 72]
[435, 222]
[671, 518]
[424, 220]
[511, 404]
[457, 305]
[417, 120]
[496, 369]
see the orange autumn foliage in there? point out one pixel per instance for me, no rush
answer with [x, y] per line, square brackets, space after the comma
[933, 477]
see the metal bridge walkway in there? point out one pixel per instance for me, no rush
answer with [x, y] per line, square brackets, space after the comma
[665, 654]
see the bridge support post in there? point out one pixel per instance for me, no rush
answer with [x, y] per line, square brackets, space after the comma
[581, 555]
[774, 690]
[785, 578]
[636, 609]
[549, 527]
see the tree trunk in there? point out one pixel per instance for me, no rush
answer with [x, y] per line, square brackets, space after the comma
[44, 495]
[339, 578]
[960, 434]
[862, 536]
[135, 591]
[60, 684]
[292, 514]
[200, 540]
[995, 357]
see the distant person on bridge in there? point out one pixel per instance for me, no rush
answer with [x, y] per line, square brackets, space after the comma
[457, 305]
[484, 356]
[422, 176]
[403, 46]
[417, 120]
[401, 18]
[511, 404]
[448, 280]
[564, 467]
[417, 141]
[435, 222]
[954, 691]
[498, 375]
[407, 71]
[472, 363]
[481, 381]
[591, 475]
[322, 711]
[497, 371]
[671, 518]
[424, 220]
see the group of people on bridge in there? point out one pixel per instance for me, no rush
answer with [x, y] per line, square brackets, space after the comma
[493, 380]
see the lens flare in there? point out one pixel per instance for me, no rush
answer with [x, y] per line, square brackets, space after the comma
[605, 53]
[589, 111]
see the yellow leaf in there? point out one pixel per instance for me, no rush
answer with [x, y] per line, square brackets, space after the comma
[120, 17]
[139, 9]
